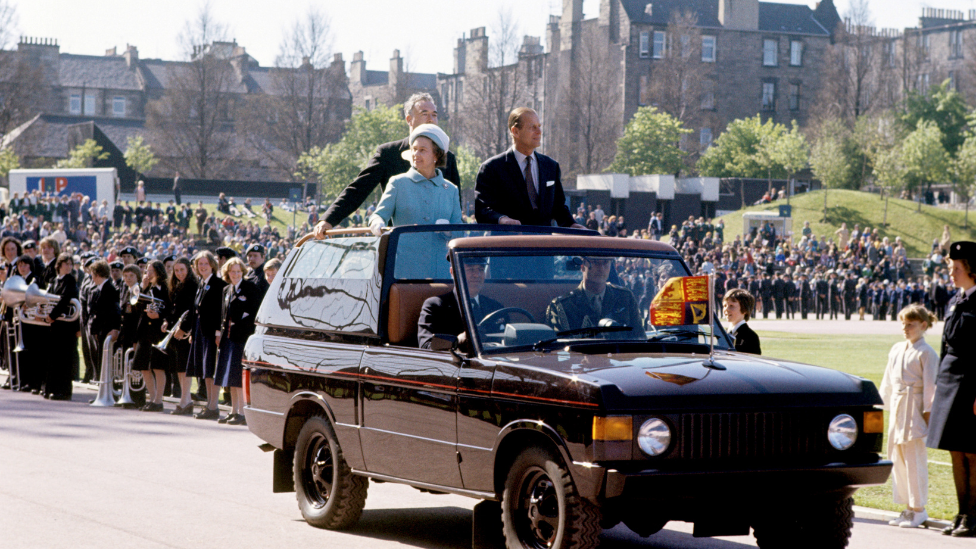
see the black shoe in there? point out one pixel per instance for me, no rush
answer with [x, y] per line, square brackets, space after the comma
[180, 411]
[967, 527]
[25, 389]
[208, 414]
[6, 386]
[35, 391]
[236, 419]
[947, 531]
[59, 397]
[226, 418]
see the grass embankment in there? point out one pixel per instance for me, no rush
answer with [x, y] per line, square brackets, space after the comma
[867, 356]
[917, 230]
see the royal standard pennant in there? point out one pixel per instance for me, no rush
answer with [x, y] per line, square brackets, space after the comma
[682, 300]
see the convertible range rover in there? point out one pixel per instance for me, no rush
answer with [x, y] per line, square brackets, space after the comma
[563, 421]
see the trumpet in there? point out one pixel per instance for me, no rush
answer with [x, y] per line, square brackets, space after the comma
[153, 304]
[162, 345]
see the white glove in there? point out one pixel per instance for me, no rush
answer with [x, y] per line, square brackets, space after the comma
[376, 225]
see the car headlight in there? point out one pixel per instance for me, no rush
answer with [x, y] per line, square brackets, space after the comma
[842, 432]
[654, 437]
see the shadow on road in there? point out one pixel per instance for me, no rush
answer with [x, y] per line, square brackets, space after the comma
[428, 527]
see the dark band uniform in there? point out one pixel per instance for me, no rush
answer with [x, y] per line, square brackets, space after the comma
[574, 310]
[239, 307]
[746, 340]
[103, 317]
[952, 425]
[150, 333]
[63, 345]
[205, 324]
[183, 298]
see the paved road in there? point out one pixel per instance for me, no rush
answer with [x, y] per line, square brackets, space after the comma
[73, 475]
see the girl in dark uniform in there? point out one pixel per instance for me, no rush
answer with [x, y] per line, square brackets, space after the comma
[63, 341]
[10, 250]
[205, 326]
[952, 425]
[183, 290]
[240, 304]
[149, 361]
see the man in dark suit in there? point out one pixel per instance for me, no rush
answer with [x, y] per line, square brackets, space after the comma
[385, 163]
[595, 300]
[521, 186]
[441, 314]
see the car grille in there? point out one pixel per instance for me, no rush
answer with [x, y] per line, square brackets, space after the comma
[751, 435]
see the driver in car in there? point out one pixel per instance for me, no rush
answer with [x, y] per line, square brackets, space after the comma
[596, 303]
[441, 314]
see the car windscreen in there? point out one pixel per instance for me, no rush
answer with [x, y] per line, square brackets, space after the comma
[545, 300]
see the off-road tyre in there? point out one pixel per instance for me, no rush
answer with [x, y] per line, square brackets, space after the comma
[820, 523]
[329, 495]
[541, 508]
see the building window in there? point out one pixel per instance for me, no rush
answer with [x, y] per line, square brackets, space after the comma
[889, 54]
[705, 138]
[643, 91]
[460, 92]
[367, 102]
[796, 53]
[708, 49]
[659, 41]
[74, 104]
[769, 96]
[90, 104]
[708, 95]
[955, 44]
[770, 52]
[923, 45]
[923, 83]
[645, 44]
[794, 97]
[118, 106]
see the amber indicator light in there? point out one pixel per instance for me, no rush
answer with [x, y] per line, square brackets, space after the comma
[613, 428]
[874, 422]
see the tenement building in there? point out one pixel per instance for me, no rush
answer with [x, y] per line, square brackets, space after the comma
[707, 62]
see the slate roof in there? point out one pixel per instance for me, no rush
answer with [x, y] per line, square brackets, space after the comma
[46, 135]
[773, 17]
[377, 78]
[158, 75]
[97, 72]
[706, 10]
[792, 18]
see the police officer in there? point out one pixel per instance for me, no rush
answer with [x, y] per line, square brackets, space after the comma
[953, 418]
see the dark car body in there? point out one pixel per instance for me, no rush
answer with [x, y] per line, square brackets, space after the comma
[334, 340]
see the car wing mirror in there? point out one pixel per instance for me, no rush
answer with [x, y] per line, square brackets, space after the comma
[443, 342]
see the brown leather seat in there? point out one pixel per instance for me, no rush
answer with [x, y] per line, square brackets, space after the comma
[406, 301]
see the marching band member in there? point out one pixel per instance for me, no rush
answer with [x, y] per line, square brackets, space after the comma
[148, 360]
[103, 315]
[31, 374]
[183, 291]
[202, 363]
[9, 252]
[240, 305]
[46, 263]
[84, 293]
[64, 335]
[130, 322]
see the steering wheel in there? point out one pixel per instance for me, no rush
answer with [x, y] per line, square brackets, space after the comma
[495, 314]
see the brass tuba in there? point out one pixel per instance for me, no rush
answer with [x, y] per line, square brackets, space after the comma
[38, 304]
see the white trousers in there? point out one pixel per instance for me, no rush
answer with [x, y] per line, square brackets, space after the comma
[910, 474]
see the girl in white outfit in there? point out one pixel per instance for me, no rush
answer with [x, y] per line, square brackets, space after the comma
[908, 389]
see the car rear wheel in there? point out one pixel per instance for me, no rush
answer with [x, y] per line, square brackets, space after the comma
[329, 495]
[541, 508]
[822, 523]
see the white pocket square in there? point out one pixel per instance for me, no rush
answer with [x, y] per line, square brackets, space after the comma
[550, 183]
[244, 315]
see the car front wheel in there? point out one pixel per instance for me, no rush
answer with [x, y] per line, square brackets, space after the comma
[329, 495]
[541, 508]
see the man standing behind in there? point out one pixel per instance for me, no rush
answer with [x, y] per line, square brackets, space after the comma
[521, 186]
[386, 162]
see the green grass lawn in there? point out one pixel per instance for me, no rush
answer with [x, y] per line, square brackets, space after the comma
[915, 229]
[866, 356]
[280, 219]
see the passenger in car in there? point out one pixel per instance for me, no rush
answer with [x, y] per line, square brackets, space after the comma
[441, 314]
[596, 303]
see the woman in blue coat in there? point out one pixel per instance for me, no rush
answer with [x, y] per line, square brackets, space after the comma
[952, 425]
[421, 196]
